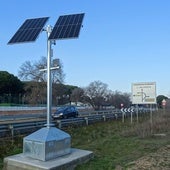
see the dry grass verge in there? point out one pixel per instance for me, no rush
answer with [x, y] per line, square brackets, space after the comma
[159, 124]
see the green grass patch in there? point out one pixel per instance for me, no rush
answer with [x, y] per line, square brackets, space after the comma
[110, 146]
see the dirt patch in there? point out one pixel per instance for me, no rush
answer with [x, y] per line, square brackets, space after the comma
[159, 160]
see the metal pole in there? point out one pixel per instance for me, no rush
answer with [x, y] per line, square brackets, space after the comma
[123, 117]
[131, 117]
[49, 83]
[137, 113]
[151, 117]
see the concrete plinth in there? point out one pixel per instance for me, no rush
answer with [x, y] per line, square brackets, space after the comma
[67, 162]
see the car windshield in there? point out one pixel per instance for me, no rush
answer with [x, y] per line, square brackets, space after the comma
[61, 109]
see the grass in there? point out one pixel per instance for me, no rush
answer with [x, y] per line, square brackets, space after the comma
[111, 148]
[9, 147]
[113, 143]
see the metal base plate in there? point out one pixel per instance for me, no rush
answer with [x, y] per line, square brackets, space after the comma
[47, 143]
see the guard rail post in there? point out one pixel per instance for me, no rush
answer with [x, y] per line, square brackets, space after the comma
[11, 127]
[116, 116]
[59, 124]
[104, 118]
[87, 122]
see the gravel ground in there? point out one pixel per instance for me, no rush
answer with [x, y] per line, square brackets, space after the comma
[159, 160]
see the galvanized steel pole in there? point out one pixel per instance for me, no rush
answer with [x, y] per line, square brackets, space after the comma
[49, 83]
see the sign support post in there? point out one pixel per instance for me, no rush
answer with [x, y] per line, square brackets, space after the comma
[137, 113]
[151, 117]
[131, 117]
[144, 93]
[163, 105]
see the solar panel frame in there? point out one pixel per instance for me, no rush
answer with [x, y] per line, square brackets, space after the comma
[67, 26]
[29, 30]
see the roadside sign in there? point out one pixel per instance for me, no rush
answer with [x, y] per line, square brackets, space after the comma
[129, 110]
[144, 93]
[163, 102]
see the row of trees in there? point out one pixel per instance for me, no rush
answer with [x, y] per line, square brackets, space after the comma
[98, 96]
[12, 90]
[32, 88]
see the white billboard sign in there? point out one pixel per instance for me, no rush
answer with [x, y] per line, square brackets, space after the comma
[144, 93]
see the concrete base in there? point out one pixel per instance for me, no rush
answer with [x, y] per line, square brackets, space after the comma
[67, 162]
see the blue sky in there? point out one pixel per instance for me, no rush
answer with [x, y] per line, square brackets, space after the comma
[121, 42]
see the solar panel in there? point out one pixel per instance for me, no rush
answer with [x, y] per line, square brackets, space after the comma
[67, 26]
[29, 30]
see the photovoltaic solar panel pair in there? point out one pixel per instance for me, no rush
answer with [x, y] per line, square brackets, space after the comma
[67, 26]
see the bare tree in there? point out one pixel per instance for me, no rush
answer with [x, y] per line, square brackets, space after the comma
[32, 71]
[35, 72]
[77, 95]
[96, 94]
[117, 98]
[35, 93]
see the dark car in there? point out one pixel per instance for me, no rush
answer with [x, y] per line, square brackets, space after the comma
[65, 112]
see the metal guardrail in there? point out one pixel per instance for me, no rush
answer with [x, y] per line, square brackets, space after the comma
[14, 129]
[16, 108]
[24, 127]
